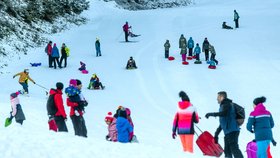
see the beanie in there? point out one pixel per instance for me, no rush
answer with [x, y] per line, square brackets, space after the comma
[13, 95]
[109, 117]
[73, 82]
[78, 82]
[59, 85]
[259, 100]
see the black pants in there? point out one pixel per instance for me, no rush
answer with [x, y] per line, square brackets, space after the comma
[166, 53]
[206, 54]
[236, 23]
[50, 60]
[190, 51]
[126, 36]
[197, 57]
[79, 125]
[213, 58]
[61, 125]
[231, 145]
[55, 60]
[65, 61]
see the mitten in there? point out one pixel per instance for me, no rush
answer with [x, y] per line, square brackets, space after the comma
[174, 135]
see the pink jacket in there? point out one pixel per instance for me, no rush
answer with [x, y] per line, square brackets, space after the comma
[14, 103]
[113, 134]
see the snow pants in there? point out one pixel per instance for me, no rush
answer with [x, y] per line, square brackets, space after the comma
[61, 125]
[187, 142]
[79, 125]
[231, 145]
[262, 148]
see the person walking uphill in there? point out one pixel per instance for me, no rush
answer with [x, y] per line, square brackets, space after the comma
[184, 121]
[48, 50]
[166, 48]
[23, 80]
[261, 122]
[228, 124]
[236, 18]
[97, 47]
[126, 31]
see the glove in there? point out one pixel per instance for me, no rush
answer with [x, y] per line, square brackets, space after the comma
[209, 114]
[108, 138]
[216, 140]
[34, 82]
[14, 76]
[274, 142]
[174, 135]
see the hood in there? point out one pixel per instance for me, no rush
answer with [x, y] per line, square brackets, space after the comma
[260, 107]
[53, 91]
[184, 104]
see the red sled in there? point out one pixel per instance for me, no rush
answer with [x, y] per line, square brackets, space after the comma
[211, 67]
[185, 63]
[189, 58]
[194, 57]
[52, 125]
[207, 145]
[171, 58]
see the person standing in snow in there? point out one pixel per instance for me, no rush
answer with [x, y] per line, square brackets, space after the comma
[190, 46]
[236, 18]
[197, 52]
[97, 47]
[124, 128]
[16, 110]
[166, 48]
[205, 48]
[183, 52]
[23, 80]
[112, 129]
[60, 116]
[261, 122]
[77, 117]
[228, 124]
[184, 121]
[213, 54]
[126, 28]
[64, 54]
[48, 50]
[182, 41]
[55, 56]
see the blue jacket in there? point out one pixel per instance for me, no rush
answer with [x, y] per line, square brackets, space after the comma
[97, 45]
[197, 50]
[190, 43]
[124, 128]
[260, 122]
[55, 52]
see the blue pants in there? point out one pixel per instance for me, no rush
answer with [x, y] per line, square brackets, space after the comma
[98, 52]
[24, 86]
[262, 148]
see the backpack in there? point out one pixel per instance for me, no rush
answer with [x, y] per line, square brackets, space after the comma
[46, 49]
[240, 113]
[67, 50]
[51, 107]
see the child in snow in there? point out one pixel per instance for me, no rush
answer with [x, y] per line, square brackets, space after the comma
[183, 52]
[73, 94]
[124, 128]
[16, 110]
[131, 64]
[83, 66]
[184, 121]
[190, 46]
[95, 83]
[225, 26]
[197, 51]
[166, 48]
[111, 122]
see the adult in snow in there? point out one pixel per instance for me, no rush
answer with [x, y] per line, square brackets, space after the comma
[131, 64]
[48, 50]
[225, 26]
[261, 122]
[236, 18]
[97, 47]
[166, 48]
[65, 51]
[182, 41]
[197, 51]
[213, 54]
[55, 56]
[228, 124]
[205, 48]
[124, 128]
[77, 117]
[126, 28]
[60, 116]
[23, 80]
[190, 46]
[183, 122]
[112, 129]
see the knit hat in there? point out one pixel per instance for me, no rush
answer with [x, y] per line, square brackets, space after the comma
[59, 85]
[14, 95]
[78, 82]
[259, 100]
[73, 82]
[109, 117]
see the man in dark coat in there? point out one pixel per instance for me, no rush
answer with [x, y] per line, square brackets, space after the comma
[236, 18]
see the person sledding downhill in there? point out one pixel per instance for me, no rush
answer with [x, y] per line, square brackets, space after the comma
[16, 110]
[95, 83]
[131, 64]
[23, 80]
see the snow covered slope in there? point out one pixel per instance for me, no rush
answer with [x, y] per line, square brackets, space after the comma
[248, 68]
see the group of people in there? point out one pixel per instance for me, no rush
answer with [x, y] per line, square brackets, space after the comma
[53, 54]
[235, 19]
[260, 122]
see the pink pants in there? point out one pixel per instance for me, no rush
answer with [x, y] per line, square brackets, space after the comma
[187, 142]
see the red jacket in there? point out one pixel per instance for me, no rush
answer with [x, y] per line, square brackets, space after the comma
[58, 102]
[125, 27]
[49, 49]
[72, 106]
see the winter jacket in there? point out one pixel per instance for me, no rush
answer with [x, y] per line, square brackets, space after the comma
[72, 106]
[55, 52]
[190, 43]
[260, 122]
[97, 45]
[49, 49]
[183, 49]
[236, 16]
[166, 45]
[212, 50]
[112, 129]
[58, 101]
[197, 50]
[205, 45]
[14, 103]
[182, 41]
[19, 115]
[124, 129]
[125, 28]
[184, 118]
[23, 77]
[63, 52]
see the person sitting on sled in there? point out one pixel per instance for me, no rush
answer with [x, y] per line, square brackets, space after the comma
[131, 34]
[225, 26]
[95, 83]
[83, 66]
[16, 110]
[131, 64]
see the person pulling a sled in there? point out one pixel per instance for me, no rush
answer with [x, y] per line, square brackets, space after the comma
[23, 80]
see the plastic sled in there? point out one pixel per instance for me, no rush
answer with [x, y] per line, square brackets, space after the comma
[8, 122]
[171, 58]
[35, 64]
[194, 57]
[185, 63]
[189, 58]
[251, 150]
[211, 67]
[52, 125]
[131, 68]
[207, 145]
[84, 71]
[197, 62]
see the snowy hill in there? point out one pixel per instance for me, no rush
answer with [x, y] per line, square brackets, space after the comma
[248, 68]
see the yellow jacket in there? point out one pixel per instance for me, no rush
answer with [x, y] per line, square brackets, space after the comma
[23, 77]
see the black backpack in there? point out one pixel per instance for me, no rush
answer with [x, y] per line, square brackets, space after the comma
[51, 107]
[240, 113]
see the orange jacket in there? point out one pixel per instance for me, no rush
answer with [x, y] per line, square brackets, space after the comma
[23, 76]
